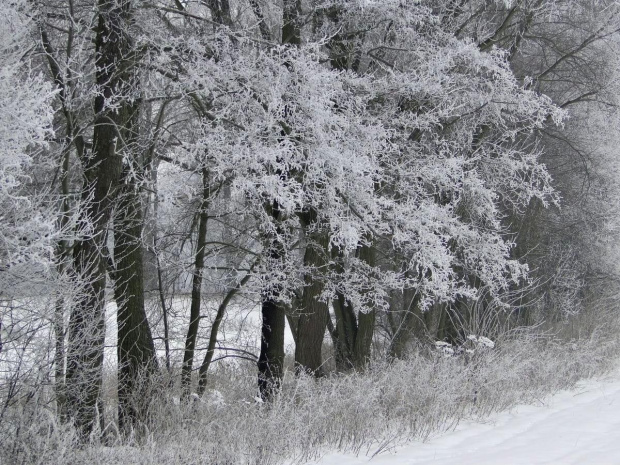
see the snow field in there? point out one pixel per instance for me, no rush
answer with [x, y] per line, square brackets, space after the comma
[240, 329]
[574, 427]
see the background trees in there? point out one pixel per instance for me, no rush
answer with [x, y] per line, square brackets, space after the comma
[565, 50]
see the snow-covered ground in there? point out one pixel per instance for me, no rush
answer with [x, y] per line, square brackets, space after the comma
[240, 329]
[577, 427]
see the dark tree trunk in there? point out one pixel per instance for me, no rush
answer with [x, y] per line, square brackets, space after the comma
[160, 274]
[354, 333]
[271, 358]
[63, 249]
[199, 263]
[102, 170]
[346, 324]
[262, 25]
[363, 340]
[405, 323]
[136, 351]
[59, 360]
[313, 314]
[432, 320]
[164, 313]
[365, 320]
[291, 22]
[220, 9]
[346, 333]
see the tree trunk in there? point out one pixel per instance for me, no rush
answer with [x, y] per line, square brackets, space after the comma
[291, 23]
[102, 170]
[199, 263]
[346, 331]
[63, 250]
[410, 321]
[136, 351]
[160, 277]
[220, 10]
[354, 333]
[365, 320]
[87, 332]
[433, 318]
[262, 25]
[363, 340]
[313, 314]
[271, 358]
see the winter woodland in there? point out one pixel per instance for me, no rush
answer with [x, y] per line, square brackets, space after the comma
[253, 231]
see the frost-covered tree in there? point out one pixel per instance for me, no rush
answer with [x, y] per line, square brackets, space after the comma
[94, 70]
[468, 137]
[27, 225]
[417, 139]
[28, 228]
[567, 50]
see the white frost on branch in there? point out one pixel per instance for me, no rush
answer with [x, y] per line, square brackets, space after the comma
[26, 226]
[424, 150]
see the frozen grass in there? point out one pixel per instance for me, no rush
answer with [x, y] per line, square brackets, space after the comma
[367, 413]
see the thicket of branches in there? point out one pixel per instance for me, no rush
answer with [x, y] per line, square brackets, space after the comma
[375, 176]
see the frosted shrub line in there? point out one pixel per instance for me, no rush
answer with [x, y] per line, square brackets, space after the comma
[369, 413]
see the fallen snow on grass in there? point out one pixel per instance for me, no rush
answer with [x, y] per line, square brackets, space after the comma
[576, 427]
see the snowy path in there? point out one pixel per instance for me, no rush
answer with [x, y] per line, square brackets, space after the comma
[578, 427]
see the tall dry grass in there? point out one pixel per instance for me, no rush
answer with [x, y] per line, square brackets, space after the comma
[363, 413]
